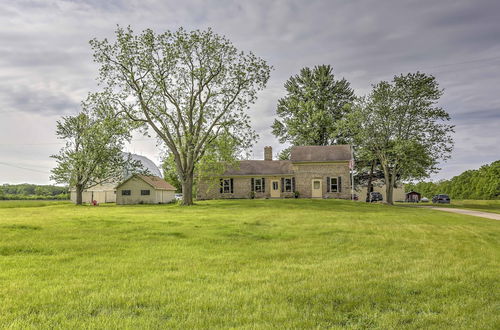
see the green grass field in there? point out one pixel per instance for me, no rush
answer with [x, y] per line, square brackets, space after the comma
[246, 264]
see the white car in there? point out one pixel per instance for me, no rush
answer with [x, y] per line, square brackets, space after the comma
[424, 200]
[178, 197]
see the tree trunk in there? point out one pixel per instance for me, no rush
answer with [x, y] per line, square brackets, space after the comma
[389, 182]
[370, 184]
[187, 190]
[389, 188]
[79, 193]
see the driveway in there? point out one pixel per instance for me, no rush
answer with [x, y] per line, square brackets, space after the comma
[488, 215]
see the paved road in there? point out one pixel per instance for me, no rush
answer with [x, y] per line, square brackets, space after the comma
[494, 216]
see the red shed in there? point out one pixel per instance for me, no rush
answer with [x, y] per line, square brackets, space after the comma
[412, 197]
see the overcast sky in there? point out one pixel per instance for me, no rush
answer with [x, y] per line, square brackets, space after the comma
[46, 66]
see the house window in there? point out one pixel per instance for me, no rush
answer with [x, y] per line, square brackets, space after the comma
[287, 184]
[126, 193]
[258, 184]
[226, 186]
[334, 184]
[145, 192]
[334, 187]
[275, 185]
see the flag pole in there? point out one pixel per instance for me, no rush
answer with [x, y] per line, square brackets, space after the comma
[351, 166]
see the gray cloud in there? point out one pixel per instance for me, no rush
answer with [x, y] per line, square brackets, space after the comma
[46, 63]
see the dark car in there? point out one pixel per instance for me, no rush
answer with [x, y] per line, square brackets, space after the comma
[374, 197]
[441, 199]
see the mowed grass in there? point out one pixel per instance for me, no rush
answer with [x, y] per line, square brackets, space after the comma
[478, 205]
[247, 264]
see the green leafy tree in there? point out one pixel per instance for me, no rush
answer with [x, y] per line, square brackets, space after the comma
[187, 87]
[483, 183]
[170, 172]
[402, 127]
[93, 151]
[310, 112]
[285, 154]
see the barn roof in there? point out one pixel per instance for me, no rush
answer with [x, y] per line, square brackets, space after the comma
[147, 164]
[341, 152]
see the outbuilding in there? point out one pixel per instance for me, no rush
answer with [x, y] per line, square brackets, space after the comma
[412, 197]
[144, 189]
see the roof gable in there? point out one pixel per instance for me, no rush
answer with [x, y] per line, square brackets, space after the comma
[154, 181]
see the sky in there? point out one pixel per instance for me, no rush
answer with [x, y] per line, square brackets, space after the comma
[46, 65]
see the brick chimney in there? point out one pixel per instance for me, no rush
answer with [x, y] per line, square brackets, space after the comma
[268, 153]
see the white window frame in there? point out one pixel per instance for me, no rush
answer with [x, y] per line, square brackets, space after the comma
[288, 185]
[257, 184]
[334, 187]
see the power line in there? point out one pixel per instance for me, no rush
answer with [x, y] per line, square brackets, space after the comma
[23, 168]
[57, 143]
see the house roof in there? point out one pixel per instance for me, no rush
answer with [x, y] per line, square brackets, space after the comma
[154, 181]
[261, 167]
[340, 152]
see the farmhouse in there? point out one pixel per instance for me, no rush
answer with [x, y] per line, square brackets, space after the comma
[106, 192]
[311, 172]
[144, 189]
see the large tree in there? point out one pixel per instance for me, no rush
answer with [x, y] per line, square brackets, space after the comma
[310, 112]
[188, 87]
[93, 151]
[401, 125]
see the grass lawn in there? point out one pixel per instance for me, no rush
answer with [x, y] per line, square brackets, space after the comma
[478, 205]
[246, 264]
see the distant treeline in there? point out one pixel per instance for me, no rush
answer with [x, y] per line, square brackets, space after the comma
[32, 191]
[483, 183]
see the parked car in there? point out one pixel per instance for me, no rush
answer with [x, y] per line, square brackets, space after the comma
[441, 199]
[424, 200]
[374, 196]
[178, 197]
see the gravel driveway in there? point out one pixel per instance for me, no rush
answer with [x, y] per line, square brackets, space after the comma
[488, 215]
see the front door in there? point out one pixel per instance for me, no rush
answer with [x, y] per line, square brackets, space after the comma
[317, 190]
[275, 189]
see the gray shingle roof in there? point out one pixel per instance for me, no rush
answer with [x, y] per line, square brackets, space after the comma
[320, 153]
[261, 167]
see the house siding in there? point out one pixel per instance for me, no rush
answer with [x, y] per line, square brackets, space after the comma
[135, 185]
[303, 173]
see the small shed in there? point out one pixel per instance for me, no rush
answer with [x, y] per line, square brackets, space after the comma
[144, 189]
[412, 197]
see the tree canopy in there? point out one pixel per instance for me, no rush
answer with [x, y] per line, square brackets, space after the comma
[483, 183]
[312, 108]
[188, 87]
[93, 151]
[401, 126]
